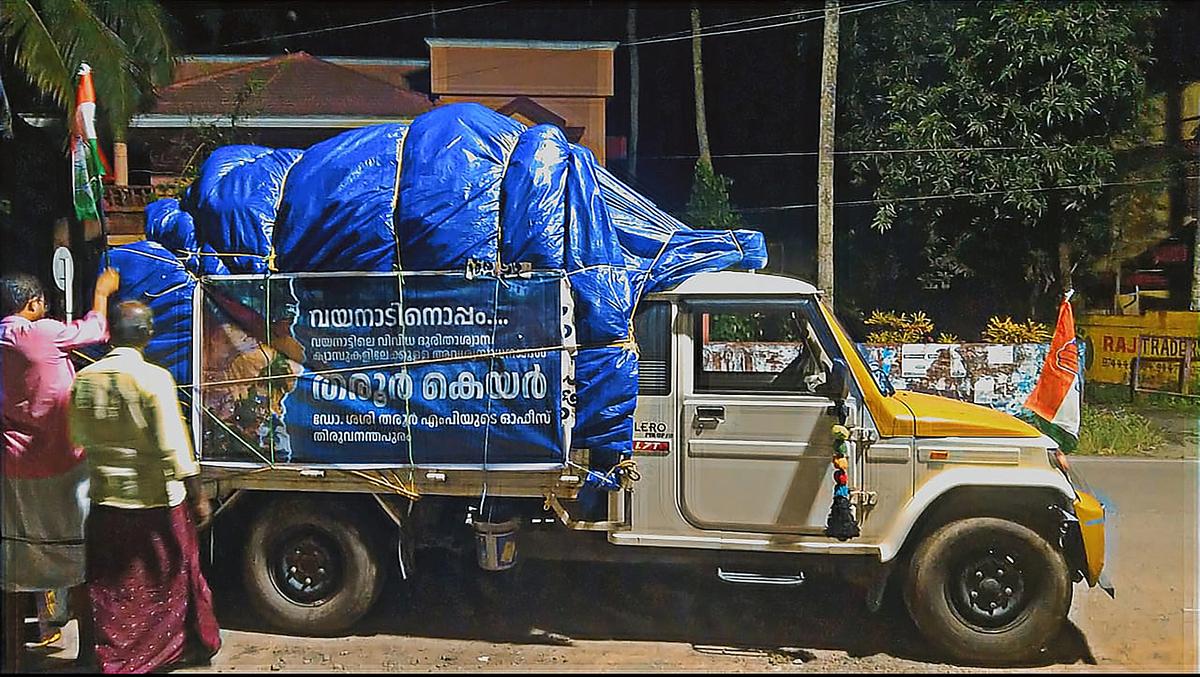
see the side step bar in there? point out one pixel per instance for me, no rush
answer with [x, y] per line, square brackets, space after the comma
[751, 578]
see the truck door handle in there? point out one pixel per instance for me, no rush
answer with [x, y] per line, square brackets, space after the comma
[709, 417]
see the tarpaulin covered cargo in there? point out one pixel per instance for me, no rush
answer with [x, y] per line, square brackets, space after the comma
[461, 190]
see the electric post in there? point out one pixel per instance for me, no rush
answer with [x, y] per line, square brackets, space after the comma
[829, 60]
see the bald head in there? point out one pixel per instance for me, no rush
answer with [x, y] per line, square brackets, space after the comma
[130, 324]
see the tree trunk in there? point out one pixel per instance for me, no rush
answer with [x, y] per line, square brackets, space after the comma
[698, 77]
[631, 33]
[829, 60]
[120, 163]
[1064, 265]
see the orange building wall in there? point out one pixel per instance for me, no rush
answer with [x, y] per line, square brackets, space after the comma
[573, 83]
[520, 71]
[578, 112]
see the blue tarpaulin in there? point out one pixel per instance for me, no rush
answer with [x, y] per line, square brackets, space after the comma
[461, 189]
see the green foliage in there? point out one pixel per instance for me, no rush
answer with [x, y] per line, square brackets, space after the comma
[1115, 395]
[890, 327]
[1116, 432]
[708, 205]
[754, 327]
[1044, 93]
[1007, 331]
[207, 138]
[126, 42]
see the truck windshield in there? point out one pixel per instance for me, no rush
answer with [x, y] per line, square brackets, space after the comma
[877, 375]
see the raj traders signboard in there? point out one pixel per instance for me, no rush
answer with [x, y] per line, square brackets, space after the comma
[1112, 342]
[392, 369]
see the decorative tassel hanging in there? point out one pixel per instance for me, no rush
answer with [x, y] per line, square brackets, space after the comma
[841, 524]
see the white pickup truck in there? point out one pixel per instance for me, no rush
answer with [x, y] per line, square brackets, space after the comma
[972, 514]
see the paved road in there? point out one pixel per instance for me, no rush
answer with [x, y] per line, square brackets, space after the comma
[661, 619]
[1152, 562]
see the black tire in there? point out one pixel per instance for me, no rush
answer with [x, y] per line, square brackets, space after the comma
[960, 571]
[309, 569]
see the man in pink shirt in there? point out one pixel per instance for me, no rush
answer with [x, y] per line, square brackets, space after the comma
[43, 479]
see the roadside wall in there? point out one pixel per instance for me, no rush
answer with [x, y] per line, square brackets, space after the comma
[997, 376]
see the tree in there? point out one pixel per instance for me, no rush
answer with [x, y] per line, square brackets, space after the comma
[634, 86]
[1016, 110]
[708, 205]
[698, 82]
[126, 42]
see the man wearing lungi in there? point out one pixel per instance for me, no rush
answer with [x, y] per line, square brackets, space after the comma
[43, 479]
[151, 606]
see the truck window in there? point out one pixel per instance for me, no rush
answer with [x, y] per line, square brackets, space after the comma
[758, 350]
[652, 331]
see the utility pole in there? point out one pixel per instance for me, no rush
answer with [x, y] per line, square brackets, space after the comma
[829, 61]
[1194, 305]
[631, 31]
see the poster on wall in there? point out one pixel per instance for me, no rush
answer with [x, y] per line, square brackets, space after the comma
[386, 369]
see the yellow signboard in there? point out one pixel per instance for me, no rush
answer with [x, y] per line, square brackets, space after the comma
[1112, 343]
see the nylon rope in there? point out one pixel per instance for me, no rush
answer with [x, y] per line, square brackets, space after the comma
[270, 361]
[400, 297]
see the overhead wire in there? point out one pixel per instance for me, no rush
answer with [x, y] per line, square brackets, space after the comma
[687, 31]
[852, 10]
[361, 24]
[916, 198]
[880, 151]
[670, 38]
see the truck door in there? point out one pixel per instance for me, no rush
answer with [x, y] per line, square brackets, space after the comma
[755, 417]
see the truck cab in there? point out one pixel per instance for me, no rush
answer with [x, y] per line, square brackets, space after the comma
[743, 377]
[973, 517]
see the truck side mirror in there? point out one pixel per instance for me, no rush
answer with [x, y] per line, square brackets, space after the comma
[837, 386]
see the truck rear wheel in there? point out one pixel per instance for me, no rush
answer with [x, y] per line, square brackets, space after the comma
[310, 571]
[987, 590]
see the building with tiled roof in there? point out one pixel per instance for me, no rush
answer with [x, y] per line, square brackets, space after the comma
[295, 100]
[288, 90]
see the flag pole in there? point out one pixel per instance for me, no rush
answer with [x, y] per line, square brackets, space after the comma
[87, 161]
[103, 228]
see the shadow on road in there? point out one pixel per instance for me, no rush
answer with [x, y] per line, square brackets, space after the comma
[641, 603]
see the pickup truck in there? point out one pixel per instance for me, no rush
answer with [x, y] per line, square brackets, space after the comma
[971, 516]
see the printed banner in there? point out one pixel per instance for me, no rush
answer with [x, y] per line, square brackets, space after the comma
[393, 369]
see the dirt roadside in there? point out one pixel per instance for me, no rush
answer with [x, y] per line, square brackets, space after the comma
[1181, 428]
[591, 618]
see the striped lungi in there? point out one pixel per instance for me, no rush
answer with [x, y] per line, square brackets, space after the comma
[41, 531]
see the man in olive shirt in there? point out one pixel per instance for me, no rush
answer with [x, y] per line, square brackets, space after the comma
[150, 602]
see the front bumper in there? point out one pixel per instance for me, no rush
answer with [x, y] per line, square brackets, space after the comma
[1090, 518]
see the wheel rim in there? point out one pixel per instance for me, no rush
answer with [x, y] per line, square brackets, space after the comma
[307, 567]
[991, 587]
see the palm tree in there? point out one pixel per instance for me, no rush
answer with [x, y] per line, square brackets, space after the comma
[126, 42]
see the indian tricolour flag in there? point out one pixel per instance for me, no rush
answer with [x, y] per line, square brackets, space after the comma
[1058, 393]
[87, 165]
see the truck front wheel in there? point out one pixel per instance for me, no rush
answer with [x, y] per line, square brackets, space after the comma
[987, 590]
[309, 571]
